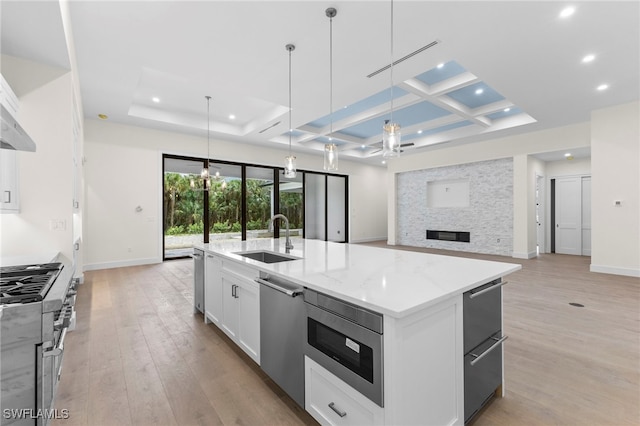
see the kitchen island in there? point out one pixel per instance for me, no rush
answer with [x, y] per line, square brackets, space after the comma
[418, 295]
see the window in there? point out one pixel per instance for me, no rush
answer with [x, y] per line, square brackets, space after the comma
[241, 200]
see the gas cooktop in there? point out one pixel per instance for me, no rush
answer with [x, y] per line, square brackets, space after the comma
[27, 283]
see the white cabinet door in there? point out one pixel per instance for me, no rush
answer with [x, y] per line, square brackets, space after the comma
[213, 290]
[9, 201]
[232, 302]
[248, 298]
[229, 306]
[568, 215]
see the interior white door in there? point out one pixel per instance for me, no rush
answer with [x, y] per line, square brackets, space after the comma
[586, 216]
[569, 215]
[539, 214]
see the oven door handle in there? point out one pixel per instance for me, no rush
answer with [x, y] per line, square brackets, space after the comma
[59, 347]
[288, 292]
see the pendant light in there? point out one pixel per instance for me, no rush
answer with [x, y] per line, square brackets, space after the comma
[204, 174]
[290, 160]
[391, 131]
[330, 149]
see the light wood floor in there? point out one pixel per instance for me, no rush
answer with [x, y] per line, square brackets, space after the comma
[140, 356]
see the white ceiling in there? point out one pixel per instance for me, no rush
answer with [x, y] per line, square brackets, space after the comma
[128, 52]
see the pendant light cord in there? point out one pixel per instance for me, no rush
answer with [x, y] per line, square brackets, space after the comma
[331, 78]
[208, 130]
[290, 129]
[391, 67]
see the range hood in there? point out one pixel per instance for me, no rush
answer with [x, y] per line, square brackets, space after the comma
[12, 135]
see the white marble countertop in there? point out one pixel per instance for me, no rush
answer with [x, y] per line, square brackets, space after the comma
[392, 282]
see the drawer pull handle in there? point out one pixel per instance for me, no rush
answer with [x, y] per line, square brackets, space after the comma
[493, 287]
[337, 410]
[492, 347]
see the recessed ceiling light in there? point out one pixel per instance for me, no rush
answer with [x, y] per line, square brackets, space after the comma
[103, 116]
[507, 109]
[440, 65]
[362, 146]
[479, 91]
[156, 99]
[384, 162]
[232, 117]
[568, 154]
[419, 132]
[588, 58]
[567, 11]
[603, 87]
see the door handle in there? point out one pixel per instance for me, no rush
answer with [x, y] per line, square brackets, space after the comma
[7, 197]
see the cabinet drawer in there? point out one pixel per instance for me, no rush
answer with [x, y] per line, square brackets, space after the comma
[323, 391]
[482, 312]
[482, 378]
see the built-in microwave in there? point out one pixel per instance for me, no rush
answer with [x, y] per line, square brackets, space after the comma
[346, 340]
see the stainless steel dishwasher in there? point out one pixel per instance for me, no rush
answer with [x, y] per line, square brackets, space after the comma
[282, 321]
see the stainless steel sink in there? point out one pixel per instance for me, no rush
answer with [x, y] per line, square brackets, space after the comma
[267, 256]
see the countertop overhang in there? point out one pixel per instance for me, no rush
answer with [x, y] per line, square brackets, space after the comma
[393, 282]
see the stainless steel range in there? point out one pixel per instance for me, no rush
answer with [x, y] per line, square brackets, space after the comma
[36, 311]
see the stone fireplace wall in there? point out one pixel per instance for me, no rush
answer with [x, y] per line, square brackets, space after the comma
[487, 215]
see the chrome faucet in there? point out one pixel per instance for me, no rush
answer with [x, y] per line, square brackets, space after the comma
[287, 245]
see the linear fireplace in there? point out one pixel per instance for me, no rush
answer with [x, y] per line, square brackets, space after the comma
[459, 236]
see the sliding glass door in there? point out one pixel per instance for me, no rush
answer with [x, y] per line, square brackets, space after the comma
[183, 207]
[315, 206]
[291, 202]
[259, 200]
[225, 201]
[325, 203]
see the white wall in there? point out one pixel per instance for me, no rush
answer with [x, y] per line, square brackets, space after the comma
[615, 166]
[45, 176]
[123, 170]
[518, 147]
[575, 167]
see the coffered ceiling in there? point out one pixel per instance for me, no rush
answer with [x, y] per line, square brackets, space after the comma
[467, 71]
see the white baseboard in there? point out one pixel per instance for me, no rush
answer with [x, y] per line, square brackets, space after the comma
[628, 272]
[120, 264]
[368, 240]
[523, 255]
